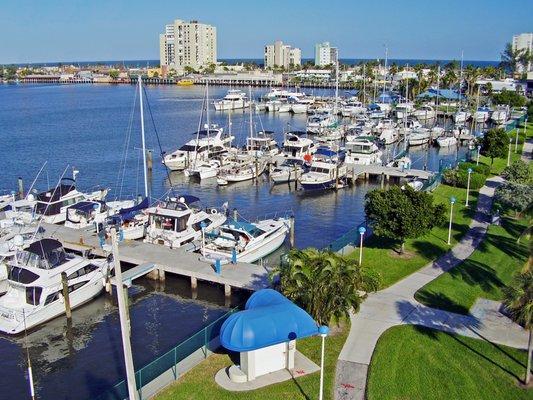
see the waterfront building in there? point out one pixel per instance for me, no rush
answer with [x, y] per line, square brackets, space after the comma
[523, 41]
[187, 44]
[325, 54]
[282, 55]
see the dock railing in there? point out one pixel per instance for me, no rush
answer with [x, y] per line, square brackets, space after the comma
[171, 365]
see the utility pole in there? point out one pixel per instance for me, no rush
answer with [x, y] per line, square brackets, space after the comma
[124, 324]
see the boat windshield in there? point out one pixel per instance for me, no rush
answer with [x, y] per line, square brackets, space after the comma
[53, 259]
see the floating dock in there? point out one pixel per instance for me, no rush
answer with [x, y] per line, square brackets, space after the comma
[366, 171]
[157, 260]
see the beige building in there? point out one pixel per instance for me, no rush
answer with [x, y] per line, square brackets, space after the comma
[187, 44]
[282, 55]
[524, 41]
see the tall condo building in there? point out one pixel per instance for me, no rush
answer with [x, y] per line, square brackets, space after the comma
[187, 44]
[282, 55]
[524, 41]
[325, 54]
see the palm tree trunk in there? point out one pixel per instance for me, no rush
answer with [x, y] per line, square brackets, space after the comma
[529, 353]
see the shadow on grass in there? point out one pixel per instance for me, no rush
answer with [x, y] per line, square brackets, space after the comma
[427, 250]
[507, 245]
[440, 301]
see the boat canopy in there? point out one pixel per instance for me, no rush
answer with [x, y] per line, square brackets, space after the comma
[269, 318]
[245, 226]
[86, 206]
[325, 151]
[127, 214]
[67, 185]
[374, 107]
[44, 247]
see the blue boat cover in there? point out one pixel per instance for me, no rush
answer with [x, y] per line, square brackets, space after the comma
[269, 318]
[325, 151]
[127, 214]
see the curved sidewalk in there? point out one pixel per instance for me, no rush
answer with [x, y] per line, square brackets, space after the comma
[396, 305]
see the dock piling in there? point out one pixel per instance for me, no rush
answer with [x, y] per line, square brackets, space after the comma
[292, 234]
[66, 295]
[21, 188]
[227, 290]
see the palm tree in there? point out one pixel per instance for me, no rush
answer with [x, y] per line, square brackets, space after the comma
[511, 58]
[327, 285]
[518, 298]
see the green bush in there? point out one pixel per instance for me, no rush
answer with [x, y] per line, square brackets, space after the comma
[476, 180]
[519, 172]
[513, 197]
[482, 169]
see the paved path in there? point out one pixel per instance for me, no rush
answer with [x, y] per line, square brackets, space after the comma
[396, 305]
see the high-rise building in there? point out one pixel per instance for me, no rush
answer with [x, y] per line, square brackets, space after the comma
[523, 41]
[282, 55]
[325, 54]
[188, 44]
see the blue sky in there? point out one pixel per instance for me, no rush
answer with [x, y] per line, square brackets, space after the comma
[54, 30]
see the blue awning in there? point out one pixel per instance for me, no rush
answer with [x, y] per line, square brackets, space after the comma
[269, 318]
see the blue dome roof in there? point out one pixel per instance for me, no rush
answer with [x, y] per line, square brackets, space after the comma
[269, 318]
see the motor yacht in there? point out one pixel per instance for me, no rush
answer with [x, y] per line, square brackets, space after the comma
[447, 141]
[500, 115]
[90, 212]
[243, 167]
[419, 137]
[35, 294]
[209, 143]
[290, 170]
[362, 151]
[131, 221]
[178, 221]
[461, 116]
[326, 171]
[262, 144]
[233, 100]
[482, 114]
[243, 241]
[425, 113]
[319, 121]
[295, 145]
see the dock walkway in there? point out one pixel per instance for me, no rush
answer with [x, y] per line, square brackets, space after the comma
[174, 261]
[358, 171]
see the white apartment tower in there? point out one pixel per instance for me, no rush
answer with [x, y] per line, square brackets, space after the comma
[188, 44]
[282, 55]
[524, 41]
[325, 54]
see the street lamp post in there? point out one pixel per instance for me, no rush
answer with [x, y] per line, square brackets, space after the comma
[452, 202]
[362, 231]
[323, 332]
[509, 152]
[478, 153]
[468, 185]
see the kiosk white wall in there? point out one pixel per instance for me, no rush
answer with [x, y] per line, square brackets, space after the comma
[267, 359]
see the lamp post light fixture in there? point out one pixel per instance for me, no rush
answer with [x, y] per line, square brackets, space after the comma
[452, 202]
[468, 185]
[509, 152]
[478, 153]
[323, 332]
[362, 231]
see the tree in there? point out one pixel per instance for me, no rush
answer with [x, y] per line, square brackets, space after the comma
[518, 298]
[327, 285]
[402, 213]
[510, 98]
[511, 58]
[518, 172]
[494, 143]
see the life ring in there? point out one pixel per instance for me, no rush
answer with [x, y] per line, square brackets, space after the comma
[308, 158]
[214, 211]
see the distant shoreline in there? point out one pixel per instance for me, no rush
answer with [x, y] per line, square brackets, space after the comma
[259, 61]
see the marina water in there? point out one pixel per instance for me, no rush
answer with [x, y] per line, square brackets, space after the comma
[95, 129]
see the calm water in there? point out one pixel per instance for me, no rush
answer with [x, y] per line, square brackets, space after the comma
[87, 127]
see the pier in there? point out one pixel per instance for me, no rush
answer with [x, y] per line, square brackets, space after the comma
[367, 171]
[157, 260]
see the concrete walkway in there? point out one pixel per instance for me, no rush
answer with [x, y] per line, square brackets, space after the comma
[396, 305]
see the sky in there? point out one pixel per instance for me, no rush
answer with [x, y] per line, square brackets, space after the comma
[102, 30]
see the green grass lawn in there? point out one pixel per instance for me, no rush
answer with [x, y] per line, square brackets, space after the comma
[483, 274]
[419, 363]
[199, 383]
[378, 253]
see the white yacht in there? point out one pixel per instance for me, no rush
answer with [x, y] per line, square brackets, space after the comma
[362, 151]
[352, 107]
[209, 143]
[16, 237]
[482, 114]
[34, 293]
[262, 144]
[404, 110]
[419, 137]
[326, 170]
[425, 113]
[178, 221]
[52, 204]
[500, 115]
[461, 116]
[244, 241]
[235, 99]
[89, 212]
[447, 141]
[295, 145]
[289, 170]
[203, 169]
[131, 221]
[319, 121]
[243, 167]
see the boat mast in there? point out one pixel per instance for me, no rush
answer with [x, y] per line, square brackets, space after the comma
[385, 75]
[250, 108]
[142, 136]
[207, 114]
[364, 85]
[461, 82]
[336, 88]
[406, 98]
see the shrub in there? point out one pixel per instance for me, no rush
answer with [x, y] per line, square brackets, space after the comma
[513, 196]
[519, 172]
[449, 177]
[476, 180]
[482, 169]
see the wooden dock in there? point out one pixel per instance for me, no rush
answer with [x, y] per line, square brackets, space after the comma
[366, 171]
[157, 260]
